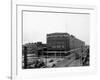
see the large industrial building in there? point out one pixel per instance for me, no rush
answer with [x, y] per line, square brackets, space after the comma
[61, 47]
[63, 42]
[58, 41]
[58, 44]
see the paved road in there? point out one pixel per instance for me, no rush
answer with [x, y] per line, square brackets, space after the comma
[75, 63]
[66, 62]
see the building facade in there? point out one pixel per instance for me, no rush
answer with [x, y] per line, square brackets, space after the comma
[58, 41]
[63, 42]
[75, 43]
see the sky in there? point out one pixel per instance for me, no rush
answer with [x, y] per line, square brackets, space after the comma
[36, 25]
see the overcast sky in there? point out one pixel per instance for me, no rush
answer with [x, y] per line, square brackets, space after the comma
[37, 24]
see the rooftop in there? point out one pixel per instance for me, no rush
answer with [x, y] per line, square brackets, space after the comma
[57, 34]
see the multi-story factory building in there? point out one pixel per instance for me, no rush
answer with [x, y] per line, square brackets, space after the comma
[58, 41]
[63, 42]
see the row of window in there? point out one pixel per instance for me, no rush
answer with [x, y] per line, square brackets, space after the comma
[58, 46]
[56, 42]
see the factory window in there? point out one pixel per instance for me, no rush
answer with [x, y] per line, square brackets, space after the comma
[53, 46]
[58, 46]
[62, 46]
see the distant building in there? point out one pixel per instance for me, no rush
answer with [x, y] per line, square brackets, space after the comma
[31, 48]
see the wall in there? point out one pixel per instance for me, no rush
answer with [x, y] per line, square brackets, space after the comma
[57, 42]
[76, 43]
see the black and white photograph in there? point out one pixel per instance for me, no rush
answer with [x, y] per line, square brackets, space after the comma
[52, 39]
